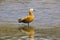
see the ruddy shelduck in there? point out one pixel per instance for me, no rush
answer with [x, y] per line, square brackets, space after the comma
[28, 18]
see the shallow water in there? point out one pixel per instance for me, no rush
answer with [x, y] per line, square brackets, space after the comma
[47, 15]
[12, 32]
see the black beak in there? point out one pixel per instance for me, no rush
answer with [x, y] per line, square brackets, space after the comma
[34, 10]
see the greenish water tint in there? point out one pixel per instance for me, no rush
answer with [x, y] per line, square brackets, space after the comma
[9, 32]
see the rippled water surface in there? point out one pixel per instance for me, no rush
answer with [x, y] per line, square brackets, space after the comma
[9, 32]
[47, 15]
[47, 12]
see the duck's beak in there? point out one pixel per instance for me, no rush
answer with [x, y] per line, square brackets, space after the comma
[34, 10]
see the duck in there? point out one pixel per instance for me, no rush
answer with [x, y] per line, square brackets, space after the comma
[28, 19]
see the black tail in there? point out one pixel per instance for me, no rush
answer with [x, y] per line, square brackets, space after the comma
[19, 20]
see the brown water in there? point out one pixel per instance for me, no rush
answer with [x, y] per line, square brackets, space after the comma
[12, 32]
[46, 23]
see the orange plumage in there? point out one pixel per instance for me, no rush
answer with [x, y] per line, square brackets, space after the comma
[28, 18]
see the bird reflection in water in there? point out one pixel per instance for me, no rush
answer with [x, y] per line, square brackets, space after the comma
[29, 31]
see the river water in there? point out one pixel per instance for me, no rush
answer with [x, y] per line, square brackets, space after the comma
[47, 12]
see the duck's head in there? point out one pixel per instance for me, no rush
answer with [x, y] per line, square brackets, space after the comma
[31, 9]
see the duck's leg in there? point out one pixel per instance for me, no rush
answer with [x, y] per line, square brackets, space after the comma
[28, 24]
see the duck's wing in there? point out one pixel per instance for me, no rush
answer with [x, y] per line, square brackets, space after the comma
[24, 19]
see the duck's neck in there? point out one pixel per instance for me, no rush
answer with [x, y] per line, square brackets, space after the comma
[30, 13]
